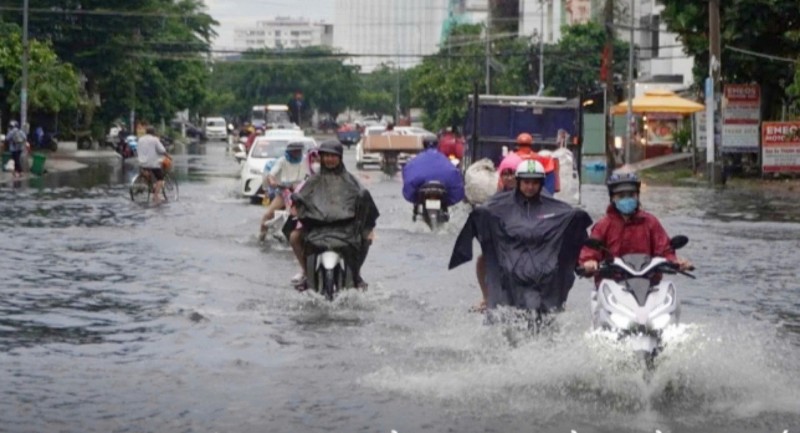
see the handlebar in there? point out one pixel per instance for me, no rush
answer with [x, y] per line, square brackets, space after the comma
[606, 267]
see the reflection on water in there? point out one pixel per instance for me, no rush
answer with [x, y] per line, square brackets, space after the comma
[172, 318]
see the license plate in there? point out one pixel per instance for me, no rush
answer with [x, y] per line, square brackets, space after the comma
[433, 204]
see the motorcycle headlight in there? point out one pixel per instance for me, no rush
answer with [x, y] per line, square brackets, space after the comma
[660, 322]
[620, 321]
[610, 298]
[670, 298]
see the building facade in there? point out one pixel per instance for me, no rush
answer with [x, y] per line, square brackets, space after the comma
[660, 56]
[395, 32]
[284, 33]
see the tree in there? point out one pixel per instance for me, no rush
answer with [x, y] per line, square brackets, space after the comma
[147, 55]
[381, 88]
[442, 83]
[762, 26]
[53, 85]
[573, 64]
[273, 76]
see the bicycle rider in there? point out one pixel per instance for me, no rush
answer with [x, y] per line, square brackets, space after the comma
[151, 154]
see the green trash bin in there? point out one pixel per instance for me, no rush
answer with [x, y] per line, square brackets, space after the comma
[38, 164]
[6, 158]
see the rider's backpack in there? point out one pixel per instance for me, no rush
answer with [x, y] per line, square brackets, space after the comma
[18, 138]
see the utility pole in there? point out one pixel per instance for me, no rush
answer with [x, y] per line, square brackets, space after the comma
[23, 93]
[631, 91]
[488, 54]
[541, 51]
[714, 64]
[608, 65]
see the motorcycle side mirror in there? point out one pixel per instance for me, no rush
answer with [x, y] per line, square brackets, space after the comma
[678, 242]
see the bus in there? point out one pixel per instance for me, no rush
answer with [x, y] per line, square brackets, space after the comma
[273, 116]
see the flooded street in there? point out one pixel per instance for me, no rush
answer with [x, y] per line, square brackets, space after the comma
[118, 318]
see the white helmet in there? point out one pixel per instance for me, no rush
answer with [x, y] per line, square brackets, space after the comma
[530, 169]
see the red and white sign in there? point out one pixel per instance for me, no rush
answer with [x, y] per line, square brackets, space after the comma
[780, 147]
[741, 114]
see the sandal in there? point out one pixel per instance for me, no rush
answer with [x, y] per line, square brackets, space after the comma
[302, 286]
[298, 278]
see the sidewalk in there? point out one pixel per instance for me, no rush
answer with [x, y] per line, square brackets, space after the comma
[66, 158]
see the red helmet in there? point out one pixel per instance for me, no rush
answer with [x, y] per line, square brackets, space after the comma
[524, 139]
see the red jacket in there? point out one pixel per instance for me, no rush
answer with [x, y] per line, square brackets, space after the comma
[642, 234]
[450, 144]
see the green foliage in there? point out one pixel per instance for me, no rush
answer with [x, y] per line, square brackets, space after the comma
[443, 82]
[573, 64]
[380, 89]
[52, 85]
[763, 26]
[273, 76]
[147, 55]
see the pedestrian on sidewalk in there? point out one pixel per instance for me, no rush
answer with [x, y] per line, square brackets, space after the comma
[16, 141]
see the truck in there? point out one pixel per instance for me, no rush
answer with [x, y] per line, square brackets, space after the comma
[554, 122]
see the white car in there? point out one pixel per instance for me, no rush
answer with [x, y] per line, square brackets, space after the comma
[215, 128]
[364, 158]
[284, 132]
[265, 150]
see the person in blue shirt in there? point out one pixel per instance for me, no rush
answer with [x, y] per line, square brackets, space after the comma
[431, 165]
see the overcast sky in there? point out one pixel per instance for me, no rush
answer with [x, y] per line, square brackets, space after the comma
[232, 13]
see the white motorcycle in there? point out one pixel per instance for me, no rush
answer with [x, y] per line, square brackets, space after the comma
[328, 273]
[633, 302]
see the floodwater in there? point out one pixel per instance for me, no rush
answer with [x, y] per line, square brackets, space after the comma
[118, 318]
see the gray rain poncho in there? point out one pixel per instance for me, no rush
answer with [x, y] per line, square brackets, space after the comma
[337, 213]
[531, 248]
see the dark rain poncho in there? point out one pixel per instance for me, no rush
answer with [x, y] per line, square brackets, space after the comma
[531, 248]
[336, 211]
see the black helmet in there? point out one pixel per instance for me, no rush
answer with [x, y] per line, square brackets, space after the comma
[295, 146]
[429, 142]
[623, 182]
[331, 146]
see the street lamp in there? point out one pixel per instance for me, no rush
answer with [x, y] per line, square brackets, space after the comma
[396, 89]
[631, 92]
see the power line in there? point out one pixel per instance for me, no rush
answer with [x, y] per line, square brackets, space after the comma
[764, 56]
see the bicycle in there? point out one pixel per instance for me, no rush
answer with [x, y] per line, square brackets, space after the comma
[143, 188]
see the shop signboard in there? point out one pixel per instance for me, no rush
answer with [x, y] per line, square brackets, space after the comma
[741, 115]
[780, 147]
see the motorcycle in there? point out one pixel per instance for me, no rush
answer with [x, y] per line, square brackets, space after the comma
[431, 204]
[240, 150]
[633, 302]
[126, 147]
[278, 225]
[390, 162]
[328, 273]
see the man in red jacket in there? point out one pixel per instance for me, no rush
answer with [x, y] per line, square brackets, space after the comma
[627, 229]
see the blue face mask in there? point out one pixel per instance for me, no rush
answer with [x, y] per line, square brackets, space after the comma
[627, 205]
[293, 159]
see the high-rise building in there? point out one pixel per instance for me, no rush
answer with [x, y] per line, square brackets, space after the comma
[395, 32]
[283, 33]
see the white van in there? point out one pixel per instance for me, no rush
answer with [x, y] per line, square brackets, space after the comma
[215, 128]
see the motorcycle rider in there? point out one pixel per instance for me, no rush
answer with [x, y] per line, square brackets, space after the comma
[530, 243]
[626, 228]
[451, 143]
[525, 152]
[431, 165]
[336, 212]
[288, 171]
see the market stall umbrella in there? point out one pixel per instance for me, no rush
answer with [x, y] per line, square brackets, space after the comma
[659, 101]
